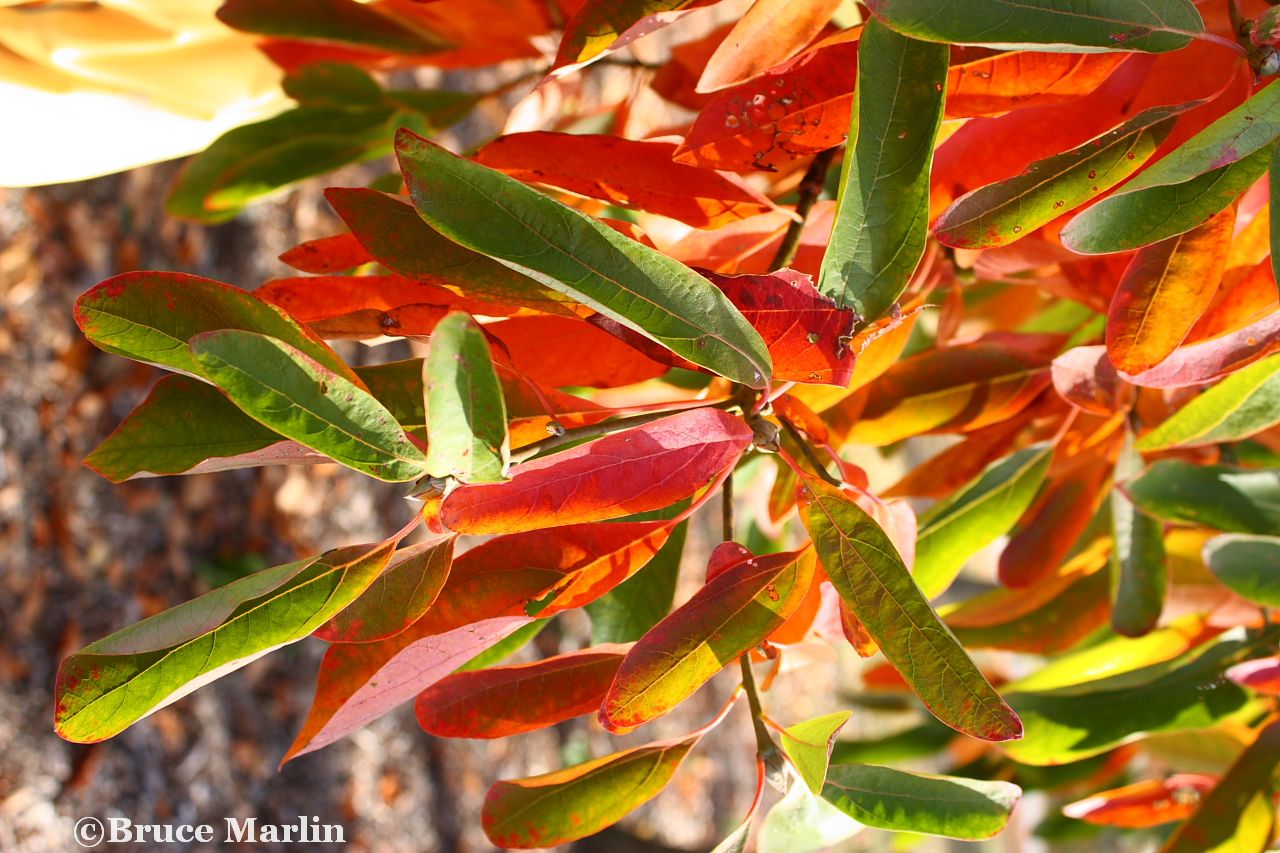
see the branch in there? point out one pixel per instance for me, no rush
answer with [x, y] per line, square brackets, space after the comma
[811, 186]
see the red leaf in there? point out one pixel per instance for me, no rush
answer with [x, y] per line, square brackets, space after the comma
[626, 172]
[510, 700]
[338, 253]
[1262, 675]
[1200, 363]
[645, 468]
[1017, 80]
[1085, 378]
[725, 556]
[557, 351]
[1143, 804]
[312, 299]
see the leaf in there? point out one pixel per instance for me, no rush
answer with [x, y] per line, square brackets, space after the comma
[770, 33]
[559, 351]
[344, 21]
[803, 823]
[599, 27]
[1245, 403]
[1105, 24]
[1125, 221]
[1006, 211]
[1261, 675]
[558, 807]
[397, 598]
[1163, 292]
[1206, 361]
[1086, 378]
[1248, 565]
[466, 413]
[644, 468]
[506, 647]
[1183, 695]
[109, 685]
[509, 700]
[956, 389]
[121, 316]
[1143, 804]
[639, 174]
[808, 746]
[808, 337]
[182, 423]
[955, 529]
[629, 610]
[335, 254]
[393, 233]
[1230, 499]
[568, 251]
[732, 614]
[255, 160]
[866, 570]
[1019, 80]
[794, 110]
[1238, 813]
[896, 800]
[1138, 578]
[284, 389]
[883, 207]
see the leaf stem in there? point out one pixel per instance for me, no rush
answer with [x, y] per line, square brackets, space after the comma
[766, 749]
[819, 468]
[811, 185]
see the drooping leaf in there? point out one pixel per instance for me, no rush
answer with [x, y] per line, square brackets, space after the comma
[770, 33]
[644, 468]
[629, 610]
[1138, 578]
[734, 612]
[1102, 24]
[1238, 813]
[509, 700]
[639, 174]
[804, 823]
[466, 413]
[882, 216]
[1245, 403]
[1086, 378]
[565, 250]
[284, 389]
[1231, 499]
[1001, 213]
[393, 233]
[344, 21]
[1164, 291]
[1126, 220]
[1248, 565]
[865, 569]
[1143, 804]
[957, 528]
[564, 805]
[397, 598]
[896, 800]
[111, 684]
[808, 746]
[120, 316]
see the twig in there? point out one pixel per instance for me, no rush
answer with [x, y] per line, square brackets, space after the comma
[819, 468]
[811, 186]
[726, 507]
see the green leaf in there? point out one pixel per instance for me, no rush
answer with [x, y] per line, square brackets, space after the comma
[151, 316]
[896, 800]
[1076, 722]
[568, 251]
[341, 21]
[391, 230]
[109, 685]
[1236, 500]
[1138, 578]
[954, 530]
[1245, 403]
[925, 740]
[333, 84]
[1237, 815]
[867, 572]
[285, 390]
[1008, 210]
[629, 610]
[882, 211]
[466, 414]
[255, 160]
[1129, 220]
[803, 823]
[397, 598]
[182, 423]
[558, 807]
[1048, 24]
[1248, 565]
[808, 746]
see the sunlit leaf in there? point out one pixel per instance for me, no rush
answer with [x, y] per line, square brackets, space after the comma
[808, 746]
[1231, 499]
[629, 610]
[1249, 565]
[950, 806]
[1143, 804]
[1138, 578]
[1245, 403]
[397, 598]
[466, 413]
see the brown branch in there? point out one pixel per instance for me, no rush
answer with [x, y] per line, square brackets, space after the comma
[811, 186]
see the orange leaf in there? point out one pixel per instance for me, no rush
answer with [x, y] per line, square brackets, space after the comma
[1009, 81]
[338, 253]
[1143, 804]
[769, 34]
[557, 351]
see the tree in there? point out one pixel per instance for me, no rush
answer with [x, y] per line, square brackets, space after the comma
[1050, 240]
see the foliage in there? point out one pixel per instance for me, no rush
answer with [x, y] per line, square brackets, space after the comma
[1049, 242]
